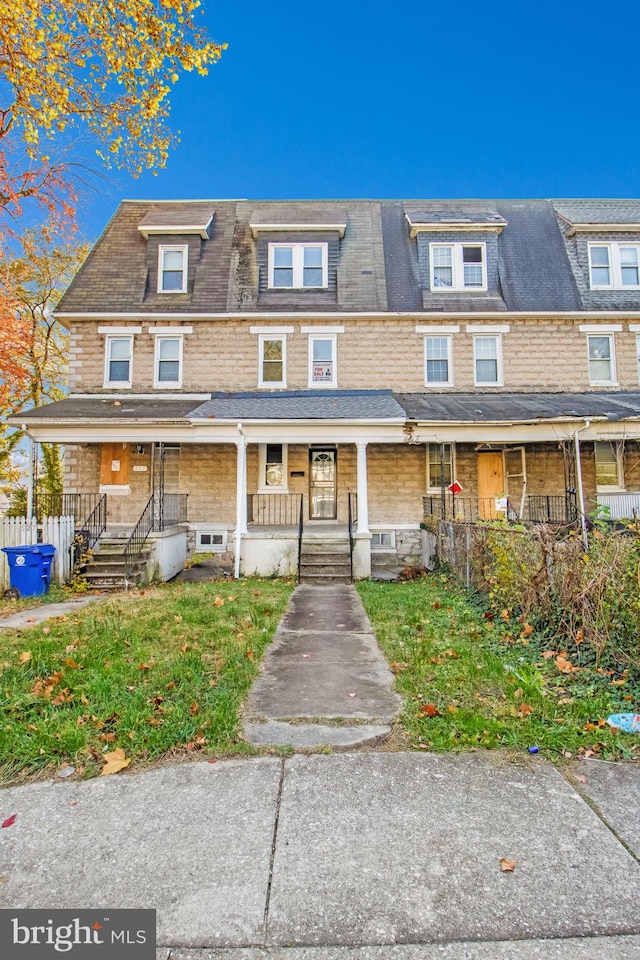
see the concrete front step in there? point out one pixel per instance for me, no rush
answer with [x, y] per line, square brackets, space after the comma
[277, 733]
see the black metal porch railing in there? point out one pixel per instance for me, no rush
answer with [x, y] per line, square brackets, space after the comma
[560, 509]
[274, 509]
[556, 509]
[467, 509]
[171, 509]
[137, 540]
[352, 512]
[80, 506]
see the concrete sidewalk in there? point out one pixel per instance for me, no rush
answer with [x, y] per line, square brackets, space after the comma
[46, 611]
[361, 856]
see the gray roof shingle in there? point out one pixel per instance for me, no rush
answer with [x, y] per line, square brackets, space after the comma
[100, 408]
[302, 405]
[518, 407]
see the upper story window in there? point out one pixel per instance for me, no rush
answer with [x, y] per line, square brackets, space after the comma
[272, 360]
[322, 361]
[298, 265]
[118, 361]
[438, 365]
[172, 269]
[487, 352]
[602, 367]
[440, 466]
[614, 266]
[458, 266]
[609, 465]
[168, 362]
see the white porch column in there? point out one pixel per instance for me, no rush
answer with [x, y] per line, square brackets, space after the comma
[362, 489]
[241, 496]
[31, 480]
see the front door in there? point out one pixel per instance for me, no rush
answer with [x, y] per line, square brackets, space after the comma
[490, 484]
[322, 485]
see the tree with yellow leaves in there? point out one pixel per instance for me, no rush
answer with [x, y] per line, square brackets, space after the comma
[106, 67]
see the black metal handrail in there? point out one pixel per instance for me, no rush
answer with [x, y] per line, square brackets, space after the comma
[300, 529]
[274, 509]
[137, 540]
[352, 511]
[90, 530]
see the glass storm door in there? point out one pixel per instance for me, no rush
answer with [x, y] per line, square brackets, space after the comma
[322, 485]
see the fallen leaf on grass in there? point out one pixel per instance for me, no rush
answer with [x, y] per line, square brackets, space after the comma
[524, 710]
[114, 762]
[46, 629]
[107, 737]
[398, 667]
[430, 710]
[10, 820]
[218, 602]
[618, 683]
[250, 655]
[548, 654]
[193, 709]
[564, 665]
[184, 647]
[25, 656]
[526, 629]
[177, 617]
[507, 866]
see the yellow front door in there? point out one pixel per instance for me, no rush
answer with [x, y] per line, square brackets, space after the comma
[490, 484]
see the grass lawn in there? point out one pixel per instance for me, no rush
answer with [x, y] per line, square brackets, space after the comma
[468, 681]
[152, 673]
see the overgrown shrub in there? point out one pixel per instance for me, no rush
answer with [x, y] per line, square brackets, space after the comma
[589, 599]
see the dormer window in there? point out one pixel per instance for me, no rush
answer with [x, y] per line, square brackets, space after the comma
[298, 265]
[172, 269]
[614, 266]
[458, 266]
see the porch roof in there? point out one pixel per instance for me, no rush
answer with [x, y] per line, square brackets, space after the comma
[358, 405]
[79, 409]
[519, 407]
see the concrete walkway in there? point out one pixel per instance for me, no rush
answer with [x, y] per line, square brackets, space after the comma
[29, 618]
[324, 665]
[355, 856]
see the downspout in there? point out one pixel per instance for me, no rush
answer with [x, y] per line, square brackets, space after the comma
[583, 519]
[240, 497]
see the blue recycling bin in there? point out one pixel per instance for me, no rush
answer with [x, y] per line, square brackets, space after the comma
[30, 568]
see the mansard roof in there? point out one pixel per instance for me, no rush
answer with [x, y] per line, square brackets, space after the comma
[374, 261]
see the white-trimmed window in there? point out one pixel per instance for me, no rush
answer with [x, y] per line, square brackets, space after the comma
[272, 361]
[458, 266]
[438, 361]
[118, 361]
[487, 359]
[602, 363]
[172, 268]
[272, 466]
[168, 362]
[609, 465]
[383, 539]
[211, 541]
[298, 265]
[614, 266]
[440, 466]
[322, 360]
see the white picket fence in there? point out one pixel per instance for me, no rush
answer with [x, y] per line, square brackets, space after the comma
[58, 531]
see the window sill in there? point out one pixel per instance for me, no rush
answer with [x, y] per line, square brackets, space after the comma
[282, 490]
[117, 489]
[116, 385]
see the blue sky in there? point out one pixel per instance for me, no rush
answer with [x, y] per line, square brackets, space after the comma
[405, 99]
